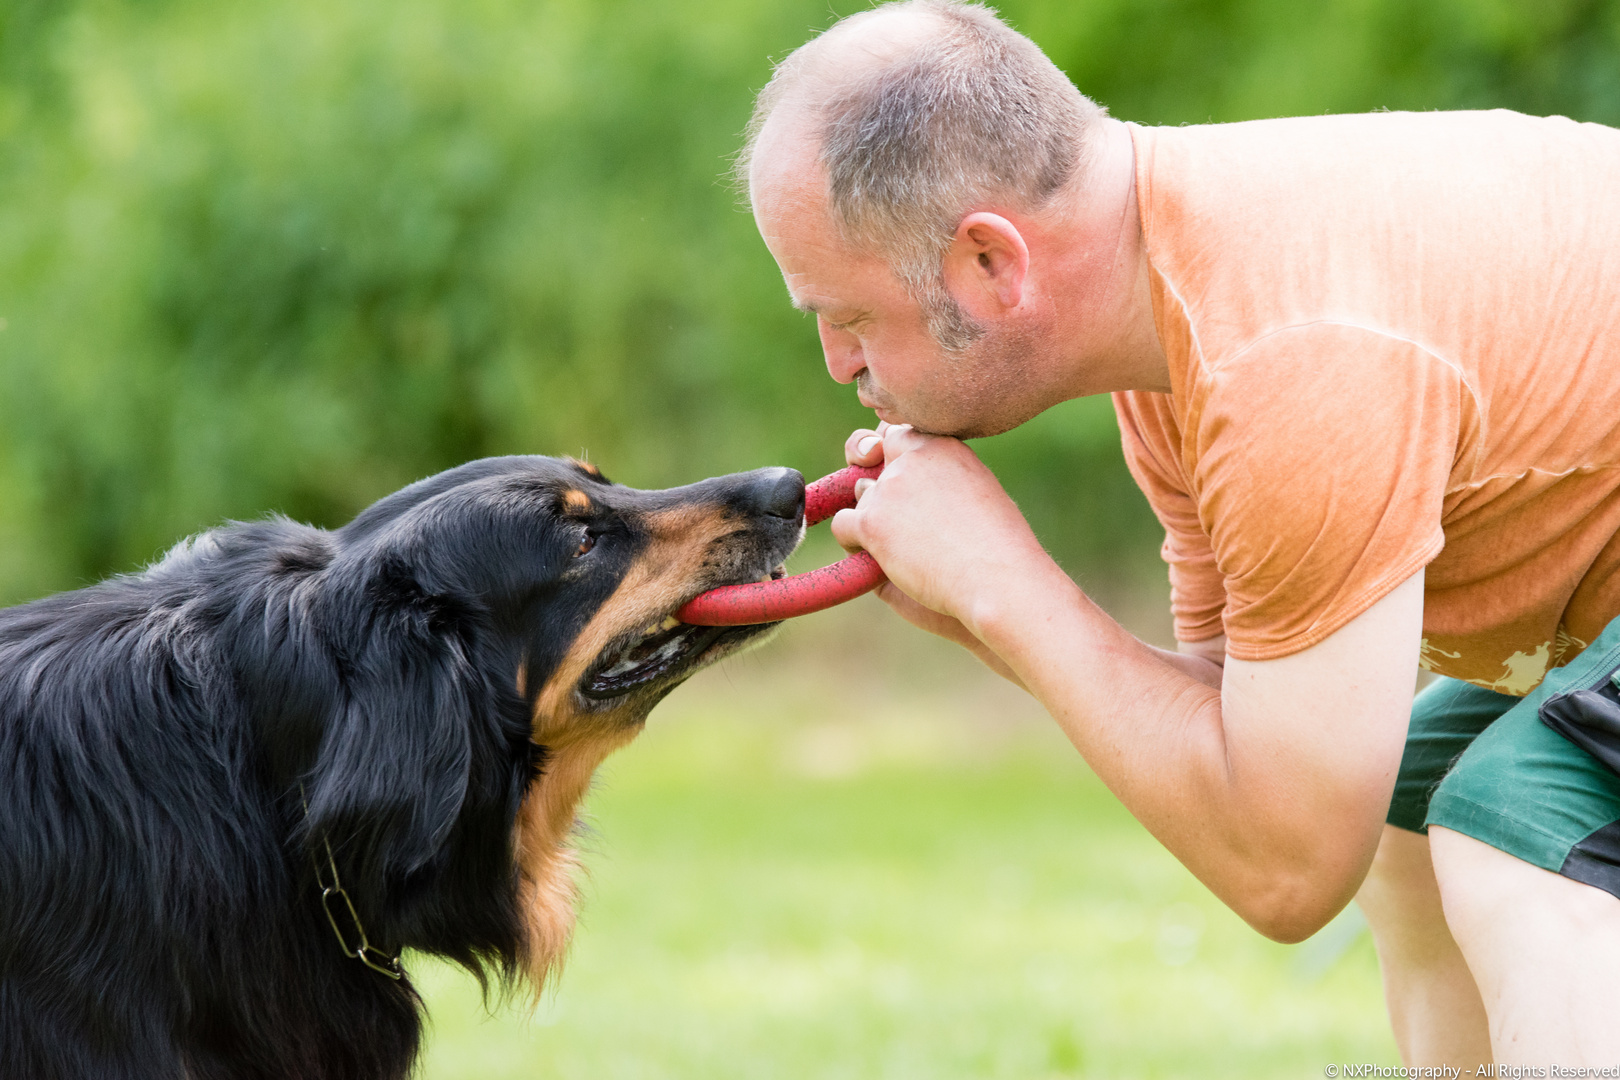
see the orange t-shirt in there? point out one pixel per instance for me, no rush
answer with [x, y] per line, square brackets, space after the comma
[1394, 342]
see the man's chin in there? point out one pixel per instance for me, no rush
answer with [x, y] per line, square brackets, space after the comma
[926, 421]
[977, 429]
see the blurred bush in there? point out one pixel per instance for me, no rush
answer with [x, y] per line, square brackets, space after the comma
[291, 254]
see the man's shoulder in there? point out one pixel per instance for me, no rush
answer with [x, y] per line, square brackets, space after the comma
[1413, 225]
[1286, 132]
[1328, 163]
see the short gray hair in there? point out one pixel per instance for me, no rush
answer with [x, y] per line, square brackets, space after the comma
[973, 113]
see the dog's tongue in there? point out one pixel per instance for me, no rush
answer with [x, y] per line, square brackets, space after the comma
[801, 594]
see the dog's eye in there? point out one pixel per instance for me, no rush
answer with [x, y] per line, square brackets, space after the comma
[585, 545]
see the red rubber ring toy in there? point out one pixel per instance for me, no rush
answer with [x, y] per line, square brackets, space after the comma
[801, 594]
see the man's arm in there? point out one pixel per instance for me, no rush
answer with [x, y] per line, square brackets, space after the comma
[1268, 780]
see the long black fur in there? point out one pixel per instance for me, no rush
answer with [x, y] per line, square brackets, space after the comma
[161, 733]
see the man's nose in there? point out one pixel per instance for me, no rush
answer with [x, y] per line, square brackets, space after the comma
[845, 358]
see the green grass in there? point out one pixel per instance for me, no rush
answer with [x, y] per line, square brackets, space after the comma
[820, 864]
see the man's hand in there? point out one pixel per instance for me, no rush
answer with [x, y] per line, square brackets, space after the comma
[951, 540]
[1268, 779]
[942, 528]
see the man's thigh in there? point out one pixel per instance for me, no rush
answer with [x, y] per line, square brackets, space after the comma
[1524, 830]
[1543, 950]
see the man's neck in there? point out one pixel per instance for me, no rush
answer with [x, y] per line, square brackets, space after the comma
[1102, 303]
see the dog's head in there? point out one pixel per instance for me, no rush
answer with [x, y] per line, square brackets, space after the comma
[495, 631]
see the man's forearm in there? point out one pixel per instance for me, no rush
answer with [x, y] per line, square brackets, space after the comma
[1271, 788]
[1281, 844]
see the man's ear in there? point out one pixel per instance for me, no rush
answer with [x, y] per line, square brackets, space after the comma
[987, 263]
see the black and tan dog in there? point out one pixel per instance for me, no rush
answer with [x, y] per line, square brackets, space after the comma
[233, 787]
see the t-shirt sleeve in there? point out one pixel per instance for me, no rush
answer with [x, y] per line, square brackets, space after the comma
[1152, 445]
[1320, 458]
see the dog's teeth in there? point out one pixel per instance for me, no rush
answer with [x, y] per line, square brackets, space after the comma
[669, 622]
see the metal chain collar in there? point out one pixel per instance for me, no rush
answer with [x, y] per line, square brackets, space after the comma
[363, 951]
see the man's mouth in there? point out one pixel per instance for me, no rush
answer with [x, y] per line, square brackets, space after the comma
[873, 396]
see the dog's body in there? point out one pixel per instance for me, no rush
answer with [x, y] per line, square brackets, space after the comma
[405, 712]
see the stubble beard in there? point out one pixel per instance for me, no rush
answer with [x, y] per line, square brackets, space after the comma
[976, 391]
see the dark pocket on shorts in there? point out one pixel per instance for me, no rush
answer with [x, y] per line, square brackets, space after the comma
[1589, 718]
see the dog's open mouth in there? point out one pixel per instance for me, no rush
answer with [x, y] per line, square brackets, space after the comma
[662, 651]
[657, 653]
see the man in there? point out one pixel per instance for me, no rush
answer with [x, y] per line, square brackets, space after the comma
[1365, 370]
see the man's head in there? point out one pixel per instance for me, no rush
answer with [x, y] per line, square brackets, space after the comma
[871, 150]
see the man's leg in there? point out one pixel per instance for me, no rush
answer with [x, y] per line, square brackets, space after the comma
[1434, 1006]
[1544, 950]
[1525, 839]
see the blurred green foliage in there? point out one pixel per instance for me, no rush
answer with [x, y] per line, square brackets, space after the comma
[291, 254]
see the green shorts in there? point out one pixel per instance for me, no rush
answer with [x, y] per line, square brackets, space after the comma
[1484, 764]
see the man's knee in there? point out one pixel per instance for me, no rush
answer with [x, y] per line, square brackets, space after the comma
[1401, 863]
[1399, 896]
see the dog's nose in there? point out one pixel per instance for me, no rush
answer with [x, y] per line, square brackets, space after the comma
[779, 493]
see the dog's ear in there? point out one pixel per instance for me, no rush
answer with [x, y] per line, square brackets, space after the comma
[395, 759]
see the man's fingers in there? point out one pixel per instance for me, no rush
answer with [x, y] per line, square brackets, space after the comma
[867, 447]
[945, 627]
[846, 527]
[931, 621]
[901, 438]
[864, 447]
[862, 486]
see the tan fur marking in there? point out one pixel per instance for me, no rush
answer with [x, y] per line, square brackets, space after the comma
[576, 502]
[545, 858]
[655, 585]
[577, 740]
[583, 464]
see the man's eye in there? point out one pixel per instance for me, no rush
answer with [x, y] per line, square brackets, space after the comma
[585, 545]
